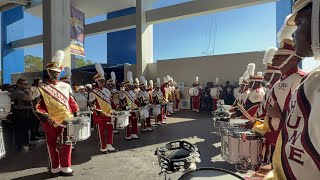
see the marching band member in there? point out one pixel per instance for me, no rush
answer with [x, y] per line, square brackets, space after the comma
[158, 101]
[196, 99]
[171, 99]
[100, 99]
[215, 94]
[111, 85]
[128, 101]
[55, 106]
[165, 94]
[297, 150]
[288, 62]
[144, 102]
[246, 90]
[177, 96]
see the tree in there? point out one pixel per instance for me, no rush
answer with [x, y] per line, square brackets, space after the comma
[32, 63]
[80, 62]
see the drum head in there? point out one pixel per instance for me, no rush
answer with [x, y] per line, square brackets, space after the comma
[210, 174]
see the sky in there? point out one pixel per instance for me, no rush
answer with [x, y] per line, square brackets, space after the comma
[240, 30]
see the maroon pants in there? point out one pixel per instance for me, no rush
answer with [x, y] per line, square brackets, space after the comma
[132, 128]
[177, 103]
[105, 130]
[62, 158]
[214, 104]
[159, 118]
[196, 102]
[146, 123]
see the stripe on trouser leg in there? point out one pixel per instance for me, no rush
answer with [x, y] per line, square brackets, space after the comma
[99, 135]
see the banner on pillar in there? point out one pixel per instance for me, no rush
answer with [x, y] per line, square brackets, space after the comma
[77, 32]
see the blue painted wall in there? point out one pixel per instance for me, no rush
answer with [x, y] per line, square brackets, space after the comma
[11, 29]
[121, 44]
[283, 9]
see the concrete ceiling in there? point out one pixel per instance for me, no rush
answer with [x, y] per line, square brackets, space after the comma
[91, 8]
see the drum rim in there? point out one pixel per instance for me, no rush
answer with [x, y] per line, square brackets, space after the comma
[213, 168]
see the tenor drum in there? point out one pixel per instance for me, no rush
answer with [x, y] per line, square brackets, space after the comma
[122, 119]
[232, 123]
[78, 129]
[193, 91]
[241, 147]
[210, 174]
[156, 109]
[81, 100]
[5, 104]
[2, 148]
[144, 113]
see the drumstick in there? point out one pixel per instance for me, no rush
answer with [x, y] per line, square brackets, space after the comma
[245, 112]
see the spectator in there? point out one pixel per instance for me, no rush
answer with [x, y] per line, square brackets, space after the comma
[22, 111]
[228, 94]
[35, 122]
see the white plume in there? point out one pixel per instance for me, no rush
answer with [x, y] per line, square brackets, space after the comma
[268, 55]
[113, 76]
[251, 68]
[240, 80]
[158, 81]
[67, 71]
[245, 75]
[259, 74]
[151, 82]
[217, 80]
[58, 57]
[197, 78]
[99, 69]
[286, 31]
[142, 79]
[136, 80]
[165, 80]
[145, 82]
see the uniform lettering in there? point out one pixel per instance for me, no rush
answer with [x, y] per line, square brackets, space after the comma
[294, 137]
[296, 124]
[296, 153]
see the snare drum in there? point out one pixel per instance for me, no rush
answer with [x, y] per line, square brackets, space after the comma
[122, 119]
[5, 104]
[2, 148]
[232, 123]
[156, 109]
[210, 173]
[78, 129]
[241, 147]
[144, 113]
[193, 91]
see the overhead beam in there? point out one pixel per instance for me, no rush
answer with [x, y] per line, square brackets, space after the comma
[107, 26]
[197, 7]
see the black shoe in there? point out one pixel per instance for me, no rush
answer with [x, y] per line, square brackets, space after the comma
[53, 175]
[34, 139]
[40, 134]
[66, 174]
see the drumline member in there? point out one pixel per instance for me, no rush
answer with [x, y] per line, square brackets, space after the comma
[215, 94]
[171, 98]
[128, 102]
[143, 103]
[177, 96]
[158, 101]
[165, 94]
[55, 106]
[111, 85]
[255, 96]
[100, 99]
[150, 91]
[288, 62]
[196, 99]
[297, 150]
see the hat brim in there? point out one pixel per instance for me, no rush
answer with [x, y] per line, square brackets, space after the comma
[296, 8]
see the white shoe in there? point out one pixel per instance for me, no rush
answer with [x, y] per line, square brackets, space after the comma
[197, 110]
[127, 138]
[104, 150]
[56, 170]
[149, 129]
[143, 130]
[164, 117]
[134, 136]
[163, 122]
[110, 148]
[66, 170]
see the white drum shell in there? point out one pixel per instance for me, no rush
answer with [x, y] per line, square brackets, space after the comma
[2, 147]
[79, 129]
[144, 113]
[208, 173]
[123, 119]
[233, 147]
[81, 100]
[193, 91]
[233, 123]
[156, 110]
[5, 104]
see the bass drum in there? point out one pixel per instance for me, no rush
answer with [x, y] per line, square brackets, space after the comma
[5, 104]
[81, 100]
[193, 91]
[210, 173]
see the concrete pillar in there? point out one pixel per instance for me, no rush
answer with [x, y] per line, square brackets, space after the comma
[122, 44]
[56, 29]
[144, 36]
[11, 30]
